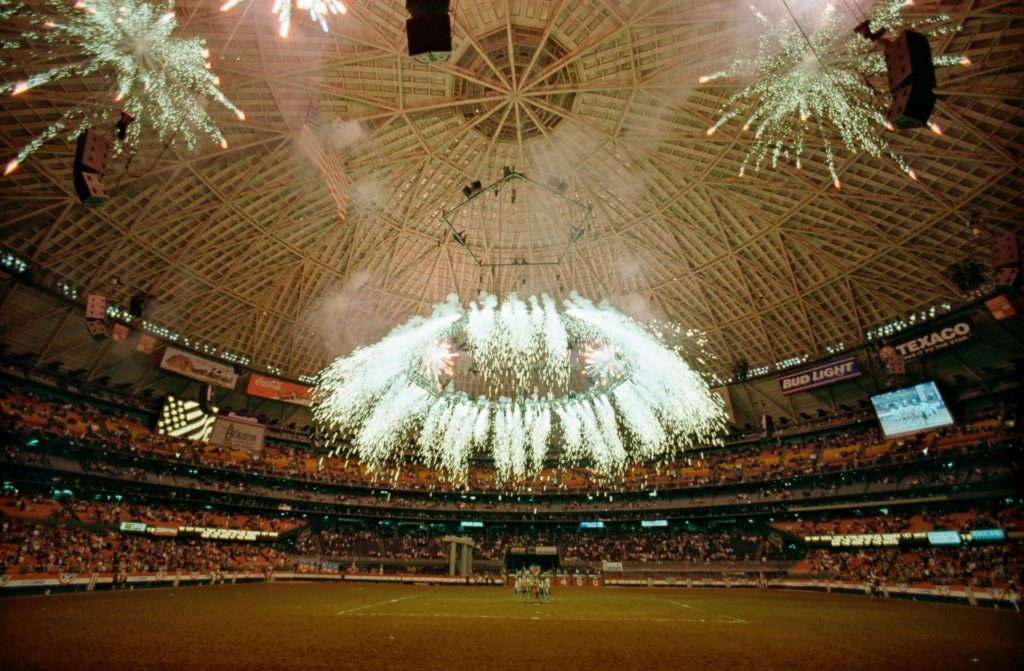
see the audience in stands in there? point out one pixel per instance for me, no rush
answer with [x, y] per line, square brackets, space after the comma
[31, 547]
[45, 535]
[976, 565]
[1008, 519]
[41, 535]
[824, 453]
[574, 547]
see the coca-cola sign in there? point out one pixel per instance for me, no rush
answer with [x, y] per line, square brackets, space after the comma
[277, 389]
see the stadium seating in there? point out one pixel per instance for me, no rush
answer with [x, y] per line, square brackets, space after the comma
[103, 454]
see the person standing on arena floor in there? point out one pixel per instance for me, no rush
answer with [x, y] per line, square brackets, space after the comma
[1013, 596]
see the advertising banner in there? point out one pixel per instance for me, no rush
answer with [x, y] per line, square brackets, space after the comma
[935, 340]
[196, 367]
[276, 389]
[819, 376]
[237, 432]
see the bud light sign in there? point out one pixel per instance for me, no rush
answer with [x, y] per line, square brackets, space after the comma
[819, 376]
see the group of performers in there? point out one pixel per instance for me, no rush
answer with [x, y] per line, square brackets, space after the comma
[532, 586]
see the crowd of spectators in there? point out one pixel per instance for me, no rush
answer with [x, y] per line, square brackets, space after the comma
[759, 462]
[112, 513]
[573, 547]
[1006, 518]
[33, 547]
[65, 466]
[44, 535]
[975, 565]
[40, 534]
[656, 547]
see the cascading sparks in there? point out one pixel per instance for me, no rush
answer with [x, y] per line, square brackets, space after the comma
[161, 80]
[396, 400]
[318, 10]
[815, 83]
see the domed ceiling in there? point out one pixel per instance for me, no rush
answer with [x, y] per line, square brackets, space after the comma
[338, 209]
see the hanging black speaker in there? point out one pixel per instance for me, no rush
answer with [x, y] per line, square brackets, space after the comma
[908, 60]
[429, 31]
[92, 152]
[911, 106]
[90, 189]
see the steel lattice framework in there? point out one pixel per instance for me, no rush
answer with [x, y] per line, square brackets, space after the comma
[321, 226]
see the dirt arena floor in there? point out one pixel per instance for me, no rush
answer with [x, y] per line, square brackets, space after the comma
[317, 626]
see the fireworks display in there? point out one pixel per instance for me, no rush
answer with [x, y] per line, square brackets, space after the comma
[643, 402]
[602, 364]
[318, 11]
[691, 345]
[163, 81]
[438, 362]
[813, 80]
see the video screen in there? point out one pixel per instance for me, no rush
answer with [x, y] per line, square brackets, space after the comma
[911, 410]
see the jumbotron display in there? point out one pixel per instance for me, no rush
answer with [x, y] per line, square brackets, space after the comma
[512, 378]
[911, 410]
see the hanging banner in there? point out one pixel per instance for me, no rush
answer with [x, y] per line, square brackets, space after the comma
[276, 389]
[196, 367]
[936, 340]
[819, 376]
[238, 432]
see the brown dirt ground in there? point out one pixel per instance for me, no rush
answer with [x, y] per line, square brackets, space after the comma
[316, 626]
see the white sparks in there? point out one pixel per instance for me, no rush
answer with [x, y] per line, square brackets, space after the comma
[400, 396]
[438, 362]
[817, 85]
[603, 364]
[319, 12]
[161, 80]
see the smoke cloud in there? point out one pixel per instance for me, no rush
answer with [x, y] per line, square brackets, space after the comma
[630, 272]
[368, 192]
[349, 317]
[342, 134]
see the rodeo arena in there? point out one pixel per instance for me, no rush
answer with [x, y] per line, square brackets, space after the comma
[511, 334]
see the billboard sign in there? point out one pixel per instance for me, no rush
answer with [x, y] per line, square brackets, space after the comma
[196, 367]
[238, 432]
[276, 389]
[935, 340]
[819, 376]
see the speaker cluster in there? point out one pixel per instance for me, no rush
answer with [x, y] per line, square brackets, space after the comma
[908, 60]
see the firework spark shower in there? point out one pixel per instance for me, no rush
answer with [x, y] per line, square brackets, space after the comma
[812, 79]
[399, 398]
[162, 80]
